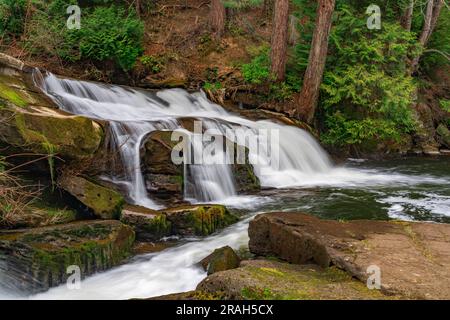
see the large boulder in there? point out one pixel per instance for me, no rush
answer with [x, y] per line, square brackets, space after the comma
[31, 121]
[37, 259]
[413, 257]
[220, 260]
[273, 280]
[104, 202]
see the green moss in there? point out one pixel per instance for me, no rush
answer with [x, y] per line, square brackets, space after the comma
[93, 246]
[75, 137]
[206, 220]
[12, 96]
[309, 283]
[159, 226]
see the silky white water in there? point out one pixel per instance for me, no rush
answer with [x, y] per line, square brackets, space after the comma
[132, 114]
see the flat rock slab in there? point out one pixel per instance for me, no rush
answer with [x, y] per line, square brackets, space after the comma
[274, 280]
[413, 257]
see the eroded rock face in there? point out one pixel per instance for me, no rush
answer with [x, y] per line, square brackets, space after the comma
[104, 202]
[273, 280]
[220, 260]
[414, 257]
[37, 259]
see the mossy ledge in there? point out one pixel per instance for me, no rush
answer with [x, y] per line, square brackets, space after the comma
[200, 220]
[38, 258]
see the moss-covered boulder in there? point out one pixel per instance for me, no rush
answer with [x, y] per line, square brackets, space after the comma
[220, 260]
[200, 220]
[37, 259]
[149, 225]
[104, 202]
[273, 280]
[31, 121]
[444, 135]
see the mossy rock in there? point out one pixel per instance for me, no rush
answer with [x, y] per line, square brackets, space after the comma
[31, 121]
[149, 225]
[104, 202]
[444, 134]
[200, 220]
[48, 131]
[220, 260]
[37, 259]
[272, 280]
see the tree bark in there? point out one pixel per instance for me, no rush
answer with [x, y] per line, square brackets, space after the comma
[307, 101]
[407, 17]
[431, 17]
[279, 39]
[217, 17]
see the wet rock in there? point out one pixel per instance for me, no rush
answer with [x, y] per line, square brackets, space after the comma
[414, 257]
[273, 280]
[104, 202]
[220, 260]
[164, 179]
[37, 259]
[445, 152]
[444, 135]
[149, 225]
[200, 220]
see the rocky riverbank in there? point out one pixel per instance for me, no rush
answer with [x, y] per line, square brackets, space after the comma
[299, 256]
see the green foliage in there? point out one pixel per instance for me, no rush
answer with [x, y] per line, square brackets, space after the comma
[445, 104]
[366, 92]
[12, 16]
[258, 70]
[152, 63]
[344, 131]
[108, 33]
[208, 86]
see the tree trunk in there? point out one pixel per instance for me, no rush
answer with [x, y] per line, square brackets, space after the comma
[217, 17]
[279, 39]
[407, 17]
[307, 101]
[431, 17]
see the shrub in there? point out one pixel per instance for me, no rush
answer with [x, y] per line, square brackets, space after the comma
[366, 92]
[258, 70]
[106, 34]
[12, 16]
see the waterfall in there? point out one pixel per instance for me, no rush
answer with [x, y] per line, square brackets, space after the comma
[132, 114]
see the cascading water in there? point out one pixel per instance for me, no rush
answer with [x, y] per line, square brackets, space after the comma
[132, 114]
